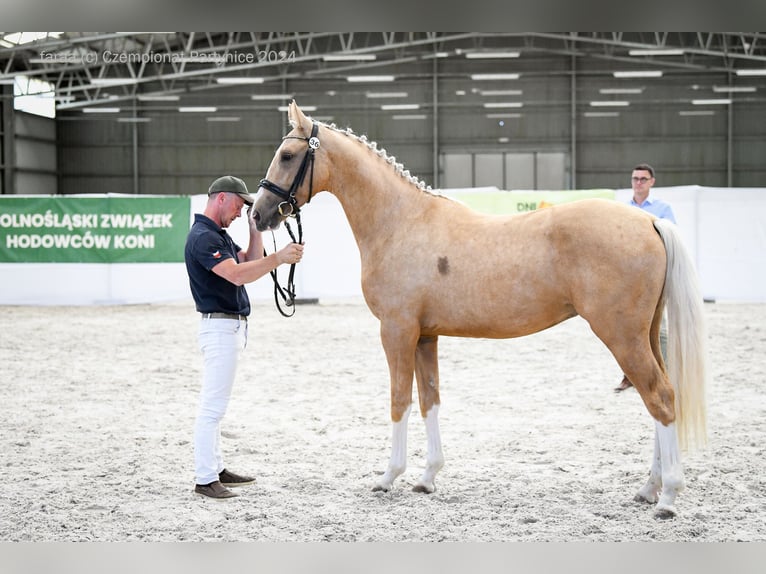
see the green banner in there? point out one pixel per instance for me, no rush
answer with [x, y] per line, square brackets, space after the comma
[502, 202]
[98, 229]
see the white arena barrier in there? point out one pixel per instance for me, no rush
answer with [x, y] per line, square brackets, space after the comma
[724, 229]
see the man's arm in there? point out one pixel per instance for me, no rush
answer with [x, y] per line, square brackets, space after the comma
[243, 272]
[251, 265]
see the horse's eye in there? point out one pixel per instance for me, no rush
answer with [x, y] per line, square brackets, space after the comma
[287, 156]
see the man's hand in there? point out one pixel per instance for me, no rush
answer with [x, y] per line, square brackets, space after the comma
[291, 253]
[251, 217]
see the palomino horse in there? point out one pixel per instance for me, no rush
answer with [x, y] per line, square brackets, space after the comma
[431, 266]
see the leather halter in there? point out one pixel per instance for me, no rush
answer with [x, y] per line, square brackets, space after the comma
[288, 196]
[289, 201]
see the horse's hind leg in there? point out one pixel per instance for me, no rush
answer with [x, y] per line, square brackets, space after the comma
[427, 375]
[651, 490]
[640, 357]
[666, 474]
[666, 477]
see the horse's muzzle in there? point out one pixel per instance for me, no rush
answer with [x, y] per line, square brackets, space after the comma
[265, 222]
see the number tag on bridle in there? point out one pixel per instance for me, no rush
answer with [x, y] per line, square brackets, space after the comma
[314, 143]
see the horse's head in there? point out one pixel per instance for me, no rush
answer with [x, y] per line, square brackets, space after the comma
[290, 180]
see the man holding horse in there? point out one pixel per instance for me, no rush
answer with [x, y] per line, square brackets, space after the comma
[218, 271]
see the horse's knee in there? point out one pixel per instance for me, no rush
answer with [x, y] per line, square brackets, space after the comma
[428, 397]
[427, 373]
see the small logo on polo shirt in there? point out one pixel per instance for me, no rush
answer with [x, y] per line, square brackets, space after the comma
[217, 255]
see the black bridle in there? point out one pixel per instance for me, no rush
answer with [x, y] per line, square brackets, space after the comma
[289, 208]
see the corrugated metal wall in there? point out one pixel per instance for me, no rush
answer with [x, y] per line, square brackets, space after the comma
[180, 153]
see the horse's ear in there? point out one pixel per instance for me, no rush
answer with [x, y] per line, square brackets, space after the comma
[296, 116]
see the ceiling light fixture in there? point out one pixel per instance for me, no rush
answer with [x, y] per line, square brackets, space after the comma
[158, 98]
[386, 94]
[752, 72]
[257, 97]
[389, 107]
[503, 104]
[732, 89]
[358, 79]
[715, 102]
[197, 109]
[621, 90]
[500, 92]
[348, 57]
[657, 52]
[610, 104]
[639, 74]
[482, 55]
[112, 81]
[239, 80]
[492, 77]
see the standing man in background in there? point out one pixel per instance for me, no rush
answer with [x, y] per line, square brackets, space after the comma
[642, 180]
[218, 271]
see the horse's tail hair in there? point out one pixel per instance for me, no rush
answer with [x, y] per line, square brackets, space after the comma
[687, 339]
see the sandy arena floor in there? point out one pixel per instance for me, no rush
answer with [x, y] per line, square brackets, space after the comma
[98, 407]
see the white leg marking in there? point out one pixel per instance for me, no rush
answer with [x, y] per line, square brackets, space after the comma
[651, 490]
[398, 461]
[434, 457]
[672, 470]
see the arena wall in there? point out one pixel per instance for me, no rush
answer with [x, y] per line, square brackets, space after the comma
[725, 230]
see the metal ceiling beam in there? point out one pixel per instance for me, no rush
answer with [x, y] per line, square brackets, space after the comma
[706, 52]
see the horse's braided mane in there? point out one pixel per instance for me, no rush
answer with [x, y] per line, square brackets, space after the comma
[373, 147]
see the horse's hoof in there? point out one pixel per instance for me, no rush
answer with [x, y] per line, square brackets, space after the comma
[380, 488]
[643, 499]
[423, 488]
[665, 513]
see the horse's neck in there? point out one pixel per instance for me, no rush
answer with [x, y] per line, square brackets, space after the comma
[372, 193]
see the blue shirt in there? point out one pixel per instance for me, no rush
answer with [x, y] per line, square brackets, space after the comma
[656, 207]
[206, 246]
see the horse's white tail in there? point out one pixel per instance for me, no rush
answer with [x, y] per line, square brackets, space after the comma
[687, 339]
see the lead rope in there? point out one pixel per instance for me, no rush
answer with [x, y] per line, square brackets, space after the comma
[288, 292]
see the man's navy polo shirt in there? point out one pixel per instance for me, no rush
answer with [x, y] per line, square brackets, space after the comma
[206, 246]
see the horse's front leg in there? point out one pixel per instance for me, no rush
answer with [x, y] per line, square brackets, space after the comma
[427, 375]
[399, 344]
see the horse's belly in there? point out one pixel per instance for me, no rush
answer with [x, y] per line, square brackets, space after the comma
[495, 321]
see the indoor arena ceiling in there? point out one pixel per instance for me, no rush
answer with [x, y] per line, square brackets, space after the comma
[96, 68]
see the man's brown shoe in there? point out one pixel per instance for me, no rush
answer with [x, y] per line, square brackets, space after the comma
[228, 478]
[625, 384]
[214, 490]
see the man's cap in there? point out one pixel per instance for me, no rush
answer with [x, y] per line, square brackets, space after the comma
[231, 184]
